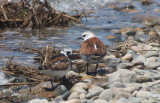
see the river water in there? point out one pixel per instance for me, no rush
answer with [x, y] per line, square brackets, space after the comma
[102, 22]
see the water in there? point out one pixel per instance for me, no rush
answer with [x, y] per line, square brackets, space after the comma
[101, 23]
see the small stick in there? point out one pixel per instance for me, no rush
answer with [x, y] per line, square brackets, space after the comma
[4, 13]
[46, 56]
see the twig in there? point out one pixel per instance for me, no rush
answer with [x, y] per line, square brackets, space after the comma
[4, 13]
[70, 17]
[46, 56]
[113, 50]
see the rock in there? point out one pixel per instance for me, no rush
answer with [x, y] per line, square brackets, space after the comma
[82, 96]
[156, 77]
[136, 48]
[154, 44]
[58, 99]
[141, 38]
[100, 101]
[78, 90]
[158, 68]
[7, 92]
[139, 58]
[151, 60]
[143, 79]
[86, 101]
[119, 92]
[149, 100]
[128, 31]
[61, 89]
[120, 100]
[112, 62]
[128, 57]
[122, 75]
[88, 81]
[109, 70]
[95, 91]
[117, 85]
[145, 94]
[38, 101]
[106, 95]
[71, 101]
[66, 95]
[152, 34]
[151, 54]
[74, 95]
[124, 66]
[135, 99]
[81, 85]
[153, 65]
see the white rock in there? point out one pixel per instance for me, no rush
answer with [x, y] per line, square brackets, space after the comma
[38, 101]
[81, 85]
[82, 96]
[127, 57]
[74, 95]
[100, 101]
[78, 90]
[71, 101]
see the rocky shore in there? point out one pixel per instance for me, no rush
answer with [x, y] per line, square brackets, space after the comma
[129, 73]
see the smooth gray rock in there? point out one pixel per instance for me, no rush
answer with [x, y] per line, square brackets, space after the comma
[151, 54]
[141, 38]
[117, 85]
[58, 99]
[94, 92]
[135, 99]
[153, 65]
[78, 90]
[122, 75]
[107, 95]
[86, 101]
[61, 89]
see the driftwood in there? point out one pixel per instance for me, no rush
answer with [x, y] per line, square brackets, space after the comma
[38, 15]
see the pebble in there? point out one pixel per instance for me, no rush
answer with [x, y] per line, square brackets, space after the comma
[95, 91]
[136, 48]
[106, 95]
[61, 89]
[122, 75]
[58, 99]
[74, 95]
[78, 90]
[86, 101]
[141, 38]
[38, 101]
[145, 94]
[128, 57]
[71, 101]
[82, 96]
[143, 79]
[153, 65]
[117, 85]
[81, 85]
[100, 101]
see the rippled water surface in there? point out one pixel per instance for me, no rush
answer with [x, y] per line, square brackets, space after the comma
[101, 23]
